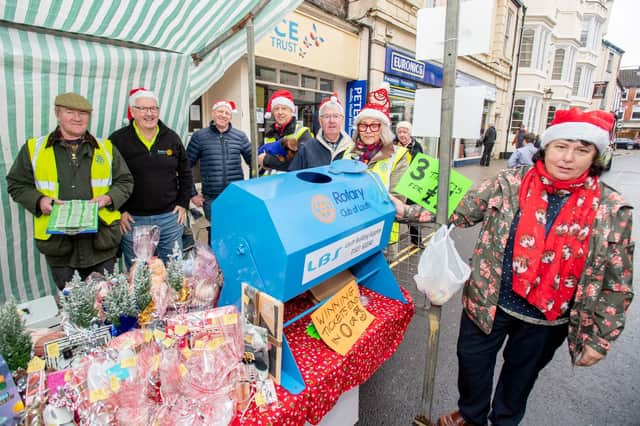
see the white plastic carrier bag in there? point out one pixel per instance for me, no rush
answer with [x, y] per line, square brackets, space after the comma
[441, 270]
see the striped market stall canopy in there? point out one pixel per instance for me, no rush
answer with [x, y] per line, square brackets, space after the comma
[101, 49]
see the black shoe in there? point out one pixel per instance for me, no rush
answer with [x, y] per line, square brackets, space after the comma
[417, 242]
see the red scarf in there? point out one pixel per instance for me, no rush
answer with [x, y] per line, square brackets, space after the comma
[367, 152]
[546, 270]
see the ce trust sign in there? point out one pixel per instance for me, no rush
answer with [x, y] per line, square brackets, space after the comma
[302, 40]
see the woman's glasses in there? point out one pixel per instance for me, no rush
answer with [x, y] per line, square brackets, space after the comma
[373, 127]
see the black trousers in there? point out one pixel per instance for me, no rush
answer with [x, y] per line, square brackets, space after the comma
[486, 154]
[63, 274]
[528, 350]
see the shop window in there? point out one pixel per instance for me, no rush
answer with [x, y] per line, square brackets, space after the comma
[576, 81]
[526, 47]
[558, 61]
[265, 74]
[610, 62]
[551, 112]
[518, 114]
[289, 78]
[326, 85]
[309, 82]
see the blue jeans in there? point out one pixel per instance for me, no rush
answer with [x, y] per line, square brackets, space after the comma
[170, 233]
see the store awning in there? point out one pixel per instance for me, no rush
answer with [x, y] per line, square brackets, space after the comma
[102, 49]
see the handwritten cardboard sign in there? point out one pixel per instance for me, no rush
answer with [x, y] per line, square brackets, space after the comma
[342, 319]
[420, 184]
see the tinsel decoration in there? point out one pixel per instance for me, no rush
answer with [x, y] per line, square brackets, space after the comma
[78, 301]
[15, 342]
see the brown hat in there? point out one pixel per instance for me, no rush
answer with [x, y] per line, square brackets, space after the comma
[73, 101]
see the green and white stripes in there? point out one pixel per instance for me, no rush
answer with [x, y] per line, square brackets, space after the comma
[36, 65]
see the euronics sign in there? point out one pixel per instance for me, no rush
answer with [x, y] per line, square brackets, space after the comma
[404, 65]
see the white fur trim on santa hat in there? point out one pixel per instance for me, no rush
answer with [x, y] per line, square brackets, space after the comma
[576, 131]
[373, 114]
[334, 102]
[221, 104]
[281, 100]
[146, 94]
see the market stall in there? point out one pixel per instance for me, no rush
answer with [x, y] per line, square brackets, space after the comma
[288, 315]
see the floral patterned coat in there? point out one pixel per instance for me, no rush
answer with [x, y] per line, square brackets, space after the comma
[604, 292]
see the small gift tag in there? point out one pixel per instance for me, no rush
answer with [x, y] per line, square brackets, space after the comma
[53, 350]
[230, 319]
[128, 362]
[183, 370]
[181, 329]
[186, 352]
[36, 364]
[114, 383]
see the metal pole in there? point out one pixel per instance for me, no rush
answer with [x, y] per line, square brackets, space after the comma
[444, 169]
[251, 54]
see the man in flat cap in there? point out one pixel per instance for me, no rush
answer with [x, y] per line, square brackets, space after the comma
[158, 162]
[71, 164]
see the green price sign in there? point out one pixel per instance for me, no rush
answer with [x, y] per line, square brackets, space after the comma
[420, 184]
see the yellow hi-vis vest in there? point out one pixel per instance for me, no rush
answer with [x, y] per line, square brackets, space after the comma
[299, 131]
[383, 169]
[45, 174]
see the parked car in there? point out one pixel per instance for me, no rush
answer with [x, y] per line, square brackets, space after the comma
[627, 143]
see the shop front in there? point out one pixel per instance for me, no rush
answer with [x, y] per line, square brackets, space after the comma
[299, 55]
[405, 75]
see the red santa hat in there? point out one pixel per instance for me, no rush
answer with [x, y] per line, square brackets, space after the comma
[137, 93]
[378, 106]
[332, 101]
[225, 103]
[574, 124]
[280, 97]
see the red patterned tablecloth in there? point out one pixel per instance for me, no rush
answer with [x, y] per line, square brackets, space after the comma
[326, 373]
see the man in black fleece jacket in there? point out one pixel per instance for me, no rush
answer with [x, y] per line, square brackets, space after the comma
[158, 162]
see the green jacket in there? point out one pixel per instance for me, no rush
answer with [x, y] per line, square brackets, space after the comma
[604, 292]
[78, 251]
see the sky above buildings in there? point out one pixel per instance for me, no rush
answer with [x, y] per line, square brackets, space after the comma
[622, 25]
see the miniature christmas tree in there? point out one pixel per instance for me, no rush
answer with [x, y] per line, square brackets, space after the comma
[15, 343]
[142, 285]
[175, 276]
[78, 301]
[119, 302]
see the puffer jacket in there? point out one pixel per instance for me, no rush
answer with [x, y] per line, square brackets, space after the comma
[604, 291]
[219, 155]
[319, 152]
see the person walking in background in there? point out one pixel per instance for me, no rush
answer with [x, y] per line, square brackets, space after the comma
[488, 140]
[404, 139]
[219, 149]
[71, 164]
[331, 141]
[553, 261]
[524, 156]
[163, 183]
[281, 107]
[519, 136]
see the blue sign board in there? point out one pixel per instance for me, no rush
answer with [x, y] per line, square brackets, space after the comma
[356, 98]
[404, 65]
